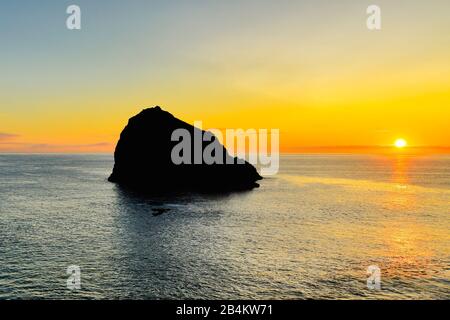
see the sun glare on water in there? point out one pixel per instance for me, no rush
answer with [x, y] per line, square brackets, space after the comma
[400, 143]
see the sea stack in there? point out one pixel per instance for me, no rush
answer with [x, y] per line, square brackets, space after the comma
[144, 162]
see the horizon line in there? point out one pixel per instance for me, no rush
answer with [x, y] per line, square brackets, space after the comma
[286, 151]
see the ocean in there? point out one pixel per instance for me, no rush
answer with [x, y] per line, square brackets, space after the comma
[312, 231]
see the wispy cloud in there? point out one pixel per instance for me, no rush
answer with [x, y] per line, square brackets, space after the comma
[9, 146]
[57, 146]
[6, 136]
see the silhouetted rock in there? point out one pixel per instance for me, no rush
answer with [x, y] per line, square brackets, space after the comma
[159, 211]
[143, 159]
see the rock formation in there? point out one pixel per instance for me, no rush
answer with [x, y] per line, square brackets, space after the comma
[143, 159]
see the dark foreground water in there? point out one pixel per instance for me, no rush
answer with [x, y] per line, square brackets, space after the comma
[310, 232]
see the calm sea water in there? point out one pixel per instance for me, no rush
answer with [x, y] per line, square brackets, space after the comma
[310, 232]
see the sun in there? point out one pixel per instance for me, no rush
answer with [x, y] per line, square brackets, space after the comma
[400, 143]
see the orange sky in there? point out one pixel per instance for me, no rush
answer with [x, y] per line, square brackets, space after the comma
[314, 72]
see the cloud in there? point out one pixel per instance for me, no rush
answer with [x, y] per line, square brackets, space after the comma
[29, 147]
[50, 146]
[6, 136]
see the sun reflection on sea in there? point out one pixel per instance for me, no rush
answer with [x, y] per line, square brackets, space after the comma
[400, 166]
[386, 220]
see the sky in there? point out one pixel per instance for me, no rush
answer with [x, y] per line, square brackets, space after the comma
[311, 69]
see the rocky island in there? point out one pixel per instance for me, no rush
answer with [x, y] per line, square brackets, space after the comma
[144, 159]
